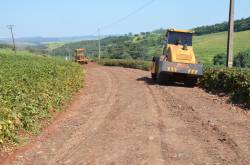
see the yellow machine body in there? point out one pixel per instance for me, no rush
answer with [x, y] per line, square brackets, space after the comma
[177, 53]
[178, 61]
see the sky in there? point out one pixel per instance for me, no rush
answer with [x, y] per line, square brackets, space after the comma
[64, 18]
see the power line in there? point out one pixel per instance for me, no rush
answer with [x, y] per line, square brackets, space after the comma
[125, 17]
[99, 44]
[118, 21]
[129, 15]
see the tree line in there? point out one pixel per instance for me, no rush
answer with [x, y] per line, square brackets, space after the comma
[138, 46]
[240, 25]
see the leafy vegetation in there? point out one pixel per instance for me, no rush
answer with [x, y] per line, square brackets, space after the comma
[240, 25]
[31, 88]
[234, 82]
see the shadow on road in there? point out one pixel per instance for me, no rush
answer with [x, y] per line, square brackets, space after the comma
[149, 81]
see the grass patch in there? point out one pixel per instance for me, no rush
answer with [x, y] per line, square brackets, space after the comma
[54, 45]
[135, 64]
[208, 46]
[31, 88]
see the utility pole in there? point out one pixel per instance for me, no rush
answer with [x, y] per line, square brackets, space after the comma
[99, 44]
[230, 42]
[69, 55]
[13, 39]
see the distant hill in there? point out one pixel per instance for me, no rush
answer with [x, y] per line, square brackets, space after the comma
[146, 46]
[42, 40]
[210, 41]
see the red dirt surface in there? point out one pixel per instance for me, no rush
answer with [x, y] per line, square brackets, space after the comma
[122, 117]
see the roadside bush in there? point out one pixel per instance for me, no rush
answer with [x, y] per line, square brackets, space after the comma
[220, 59]
[5, 46]
[136, 64]
[242, 59]
[235, 82]
[31, 87]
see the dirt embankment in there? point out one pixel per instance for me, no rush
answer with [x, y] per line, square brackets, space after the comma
[123, 118]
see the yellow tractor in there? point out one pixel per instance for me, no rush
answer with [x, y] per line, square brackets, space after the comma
[178, 62]
[80, 56]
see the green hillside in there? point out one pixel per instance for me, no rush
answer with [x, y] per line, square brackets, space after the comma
[209, 41]
[207, 46]
[146, 45]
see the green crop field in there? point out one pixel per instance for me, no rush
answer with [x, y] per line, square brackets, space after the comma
[32, 87]
[54, 45]
[207, 46]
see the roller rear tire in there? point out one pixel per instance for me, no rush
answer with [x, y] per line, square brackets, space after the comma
[154, 76]
[164, 79]
[191, 81]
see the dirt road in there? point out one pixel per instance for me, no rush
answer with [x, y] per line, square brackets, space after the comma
[121, 117]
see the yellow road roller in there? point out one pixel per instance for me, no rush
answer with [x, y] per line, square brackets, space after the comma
[178, 62]
[80, 56]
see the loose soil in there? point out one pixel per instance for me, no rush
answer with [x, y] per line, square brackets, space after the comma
[122, 117]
